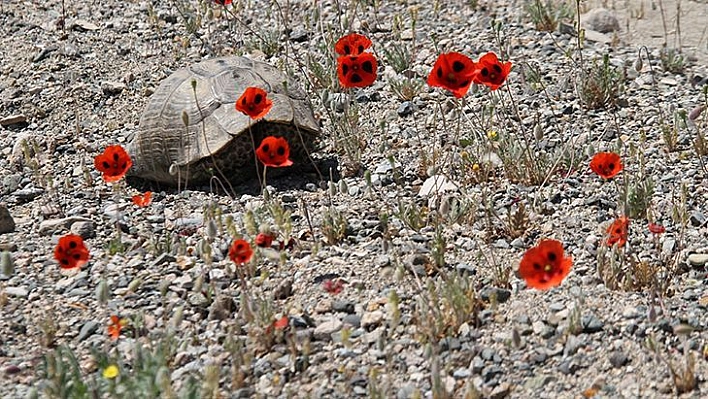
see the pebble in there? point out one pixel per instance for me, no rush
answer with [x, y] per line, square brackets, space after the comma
[370, 320]
[7, 223]
[618, 359]
[17, 292]
[89, 328]
[698, 259]
[324, 330]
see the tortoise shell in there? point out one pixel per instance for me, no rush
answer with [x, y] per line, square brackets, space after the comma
[190, 131]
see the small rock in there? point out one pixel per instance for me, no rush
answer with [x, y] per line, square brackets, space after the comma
[111, 88]
[501, 295]
[417, 264]
[353, 320]
[89, 328]
[299, 35]
[370, 320]
[28, 194]
[698, 259]
[697, 219]
[601, 20]
[462, 373]
[324, 331]
[51, 226]
[592, 324]
[618, 359]
[501, 391]
[284, 289]
[343, 306]
[84, 228]
[19, 292]
[12, 369]
[7, 223]
[406, 108]
[162, 259]
[18, 119]
[435, 185]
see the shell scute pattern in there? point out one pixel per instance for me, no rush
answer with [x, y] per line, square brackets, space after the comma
[217, 136]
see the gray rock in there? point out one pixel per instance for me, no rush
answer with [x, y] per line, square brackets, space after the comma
[89, 328]
[7, 223]
[344, 306]
[462, 373]
[501, 295]
[370, 320]
[353, 320]
[698, 259]
[284, 289]
[324, 331]
[111, 88]
[51, 226]
[84, 228]
[299, 35]
[697, 219]
[601, 20]
[406, 108]
[28, 194]
[592, 324]
[618, 359]
[18, 292]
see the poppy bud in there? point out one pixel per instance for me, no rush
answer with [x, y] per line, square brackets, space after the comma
[696, 112]
[538, 132]
[264, 240]
[135, 284]
[638, 65]
[185, 117]
[177, 317]
[343, 188]
[102, 292]
[211, 229]
[8, 266]
[174, 169]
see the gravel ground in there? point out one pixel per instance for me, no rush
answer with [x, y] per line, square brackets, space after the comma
[73, 82]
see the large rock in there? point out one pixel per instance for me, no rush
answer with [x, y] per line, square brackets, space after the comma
[601, 20]
[7, 223]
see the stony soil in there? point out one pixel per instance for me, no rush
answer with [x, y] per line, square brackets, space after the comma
[73, 81]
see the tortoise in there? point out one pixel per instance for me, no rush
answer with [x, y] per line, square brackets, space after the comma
[190, 130]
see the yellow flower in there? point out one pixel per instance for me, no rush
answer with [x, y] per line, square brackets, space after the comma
[110, 372]
[475, 167]
[492, 135]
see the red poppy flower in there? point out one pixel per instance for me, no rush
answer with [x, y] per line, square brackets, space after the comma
[656, 228]
[70, 252]
[352, 44]
[274, 152]
[333, 287]
[114, 162]
[453, 72]
[223, 2]
[264, 240]
[606, 164]
[240, 252]
[281, 323]
[617, 231]
[143, 200]
[254, 102]
[115, 327]
[356, 70]
[490, 72]
[545, 265]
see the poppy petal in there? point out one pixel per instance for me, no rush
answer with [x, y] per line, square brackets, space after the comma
[453, 72]
[254, 102]
[274, 152]
[240, 252]
[114, 162]
[352, 44]
[357, 71]
[545, 266]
